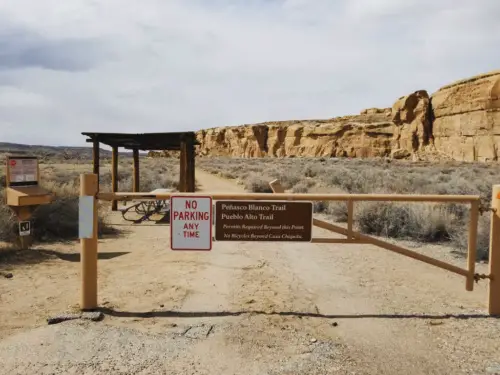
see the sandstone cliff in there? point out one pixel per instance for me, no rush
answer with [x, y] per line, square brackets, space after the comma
[467, 118]
[364, 135]
[460, 121]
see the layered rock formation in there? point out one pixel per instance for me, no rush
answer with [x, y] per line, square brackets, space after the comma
[365, 135]
[460, 121]
[467, 118]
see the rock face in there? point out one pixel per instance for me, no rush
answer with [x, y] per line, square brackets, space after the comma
[366, 135]
[412, 117]
[460, 121]
[467, 118]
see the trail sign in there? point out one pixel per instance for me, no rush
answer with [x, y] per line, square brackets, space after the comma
[263, 221]
[24, 228]
[190, 223]
[22, 170]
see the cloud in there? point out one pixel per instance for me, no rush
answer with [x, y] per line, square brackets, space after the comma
[20, 49]
[122, 65]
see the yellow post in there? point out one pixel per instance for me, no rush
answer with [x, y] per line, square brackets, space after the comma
[494, 285]
[88, 187]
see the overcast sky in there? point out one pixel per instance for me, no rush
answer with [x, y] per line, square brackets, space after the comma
[172, 65]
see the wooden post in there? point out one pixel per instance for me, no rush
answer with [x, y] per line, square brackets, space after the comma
[136, 187]
[183, 167]
[96, 157]
[350, 218]
[114, 177]
[88, 260]
[276, 187]
[494, 284]
[190, 166]
[471, 253]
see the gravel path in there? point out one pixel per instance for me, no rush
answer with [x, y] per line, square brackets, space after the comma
[245, 309]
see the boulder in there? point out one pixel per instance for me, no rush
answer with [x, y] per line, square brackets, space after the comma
[400, 153]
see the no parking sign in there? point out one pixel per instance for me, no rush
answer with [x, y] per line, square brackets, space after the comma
[190, 223]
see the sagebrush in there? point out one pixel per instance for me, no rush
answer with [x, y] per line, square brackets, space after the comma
[58, 221]
[413, 221]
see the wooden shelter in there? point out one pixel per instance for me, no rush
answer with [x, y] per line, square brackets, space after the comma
[184, 142]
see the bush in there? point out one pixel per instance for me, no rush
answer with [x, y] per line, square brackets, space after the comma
[429, 223]
[57, 221]
[258, 184]
[461, 240]
[419, 221]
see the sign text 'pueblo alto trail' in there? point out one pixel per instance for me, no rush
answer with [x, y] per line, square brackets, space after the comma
[263, 221]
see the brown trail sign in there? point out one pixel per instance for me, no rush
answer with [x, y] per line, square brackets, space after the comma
[263, 221]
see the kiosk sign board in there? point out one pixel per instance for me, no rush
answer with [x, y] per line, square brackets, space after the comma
[22, 170]
[263, 221]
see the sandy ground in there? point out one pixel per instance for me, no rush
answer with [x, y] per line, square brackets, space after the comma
[244, 308]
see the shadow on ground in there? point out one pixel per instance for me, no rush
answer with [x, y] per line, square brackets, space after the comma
[211, 314]
[30, 257]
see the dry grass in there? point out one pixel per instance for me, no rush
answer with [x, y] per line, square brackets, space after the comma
[58, 221]
[413, 221]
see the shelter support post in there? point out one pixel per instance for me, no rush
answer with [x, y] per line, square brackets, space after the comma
[494, 284]
[190, 167]
[88, 187]
[114, 176]
[136, 182]
[183, 186]
[95, 159]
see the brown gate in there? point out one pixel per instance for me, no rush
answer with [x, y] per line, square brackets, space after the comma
[89, 245]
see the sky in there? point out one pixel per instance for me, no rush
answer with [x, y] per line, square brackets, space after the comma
[177, 65]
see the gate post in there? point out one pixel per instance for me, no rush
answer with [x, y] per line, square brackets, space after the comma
[88, 257]
[494, 284]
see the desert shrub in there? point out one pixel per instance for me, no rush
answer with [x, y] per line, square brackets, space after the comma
[320, 207]
[460, 238]
[57, 221]
[301, 188]
[420, 221]
[258, 184]
[337, 211]
[425, 223]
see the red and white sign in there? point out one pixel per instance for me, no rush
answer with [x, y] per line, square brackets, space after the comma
[190, 223]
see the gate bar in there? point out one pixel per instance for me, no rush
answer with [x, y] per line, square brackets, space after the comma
[391, 247]
[298, 197]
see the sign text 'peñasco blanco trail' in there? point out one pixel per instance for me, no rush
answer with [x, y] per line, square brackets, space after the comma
[190, 223]
[263, 221]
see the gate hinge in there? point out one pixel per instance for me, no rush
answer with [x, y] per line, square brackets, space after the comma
[486, 208]
[479, 276]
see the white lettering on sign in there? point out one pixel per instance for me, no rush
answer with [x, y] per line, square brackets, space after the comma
[24, 228]
[190, 223]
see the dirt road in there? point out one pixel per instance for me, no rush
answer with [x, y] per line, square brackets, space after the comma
[245, 308]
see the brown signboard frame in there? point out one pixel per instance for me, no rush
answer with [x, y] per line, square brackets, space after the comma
[219, 234]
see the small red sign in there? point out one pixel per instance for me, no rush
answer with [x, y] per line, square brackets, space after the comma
[13, 163]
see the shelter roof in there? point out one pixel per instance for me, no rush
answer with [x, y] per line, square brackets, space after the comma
[143, 141]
